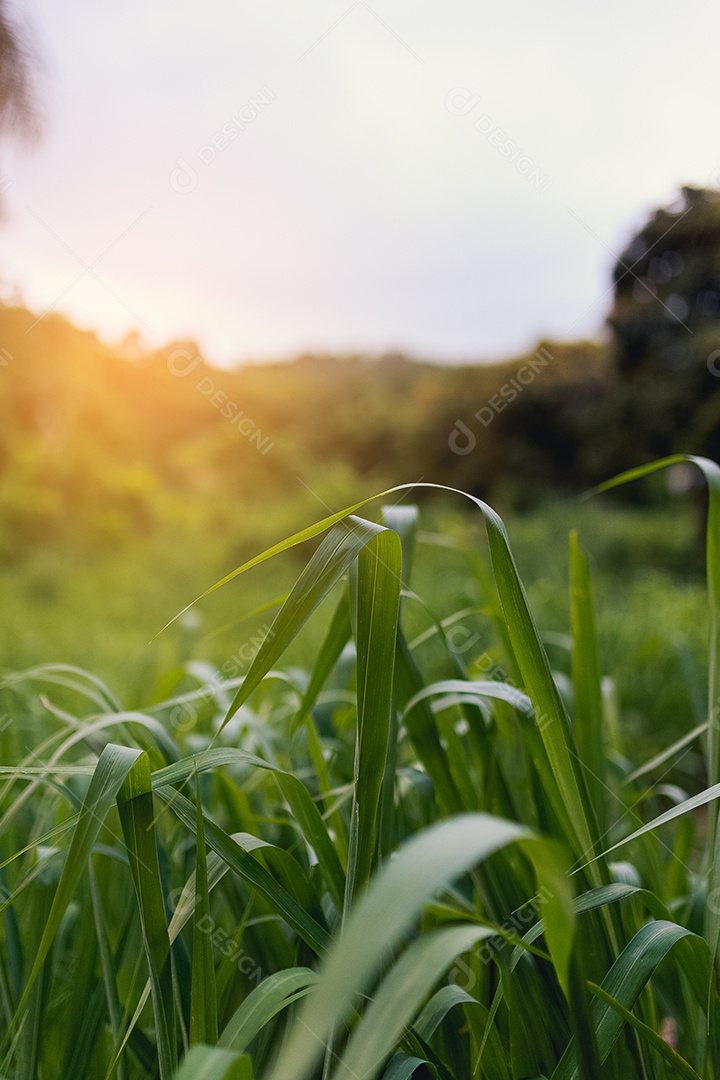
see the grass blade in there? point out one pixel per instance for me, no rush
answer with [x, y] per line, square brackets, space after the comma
[400, 996]
[252, 872]
[424, 865]
[275, 993]
[678, 1064]
[335, 555]
[214, 1063]
[112, 768]
[203, 1002]
[624, 981]
[378, 604]
[135, 804]
[711, 473]
[587, 680]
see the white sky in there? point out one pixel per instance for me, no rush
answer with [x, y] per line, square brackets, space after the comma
[356, 211]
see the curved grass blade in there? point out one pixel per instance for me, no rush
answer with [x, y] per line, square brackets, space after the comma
[58, 674]
[402, 1067]
[438, 1007]
[552, 718]
[334, 556]
[483, 688]
[626, 979]
[111, 771]
[677, 1063]
[597, 898]
[711, 473]
[214, 1063]
[252, 872]
[701, 799]
[275, 993]
[427, 863]
[400, 996]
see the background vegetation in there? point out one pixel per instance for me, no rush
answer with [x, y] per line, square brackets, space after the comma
[130, 481]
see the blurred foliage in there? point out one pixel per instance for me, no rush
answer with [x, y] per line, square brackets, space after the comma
[130, 479]
[100, 444]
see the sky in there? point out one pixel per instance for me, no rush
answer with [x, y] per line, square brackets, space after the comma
[451, 180]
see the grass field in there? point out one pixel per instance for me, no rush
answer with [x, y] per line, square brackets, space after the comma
[416, 833]
[100, 610]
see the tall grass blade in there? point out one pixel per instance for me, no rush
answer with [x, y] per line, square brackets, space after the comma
[110, 773]
[334, 556]
[400, 996]
[135, 804]
[626, 979]
[379, 580]
[424, 865]
[203, 1002]
[711, 473]
[587, 680]
[243, 863]
[678, 1065]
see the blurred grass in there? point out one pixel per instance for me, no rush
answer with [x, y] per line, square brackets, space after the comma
[100, 611]
[327, 798]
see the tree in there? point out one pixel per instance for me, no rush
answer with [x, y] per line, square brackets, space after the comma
[665, 323]
[17, 106]
[667, 287]
[18, 113]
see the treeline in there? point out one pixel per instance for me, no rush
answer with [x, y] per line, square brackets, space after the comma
[97, 443]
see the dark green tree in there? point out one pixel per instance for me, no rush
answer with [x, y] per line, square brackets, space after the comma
[665, 323]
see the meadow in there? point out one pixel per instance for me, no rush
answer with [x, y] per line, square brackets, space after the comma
[358, 812]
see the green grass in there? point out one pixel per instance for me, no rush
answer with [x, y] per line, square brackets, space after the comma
[411, 835]
[100, 609]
